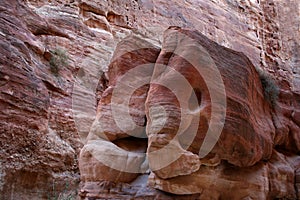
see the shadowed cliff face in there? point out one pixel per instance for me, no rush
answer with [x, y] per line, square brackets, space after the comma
[48, 115]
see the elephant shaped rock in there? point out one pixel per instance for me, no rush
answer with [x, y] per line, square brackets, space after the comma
[188, 112]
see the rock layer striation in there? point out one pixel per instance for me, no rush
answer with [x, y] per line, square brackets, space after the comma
[195, 87]
[46, 114]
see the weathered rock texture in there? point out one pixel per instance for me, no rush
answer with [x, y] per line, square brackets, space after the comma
[245, 159]
[271, 180]
[39, 147]
[106, 139]
[46, 117]
[247, 134]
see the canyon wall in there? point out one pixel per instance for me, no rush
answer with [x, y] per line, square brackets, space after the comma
[47, 113]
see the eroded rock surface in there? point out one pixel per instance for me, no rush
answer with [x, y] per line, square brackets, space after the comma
[246, 137]
[265, 180]
[46, 117]
[39, 148]
[243, 157]
[103, 158]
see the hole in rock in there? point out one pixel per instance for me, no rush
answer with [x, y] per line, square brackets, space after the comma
[193, 104]
[132, 144]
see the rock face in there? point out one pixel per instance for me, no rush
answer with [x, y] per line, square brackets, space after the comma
[245, 136]
[47, 115]
[271, 180]
[103, 158]
[39, 148]
[243, 152]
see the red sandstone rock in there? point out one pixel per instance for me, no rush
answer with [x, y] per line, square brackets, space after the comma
[270, 180]
[248, 130]
[37, 133]
[101, 160]
[266, 31]
[246, 140]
